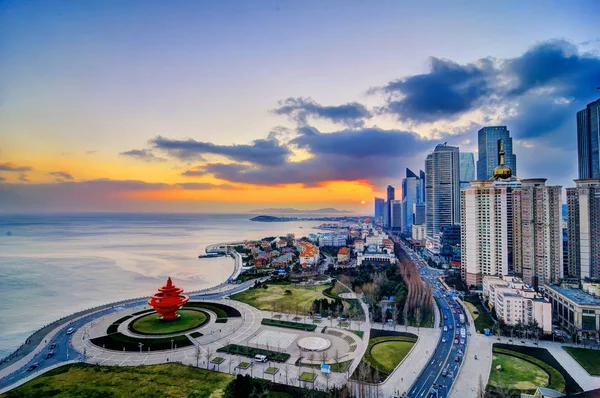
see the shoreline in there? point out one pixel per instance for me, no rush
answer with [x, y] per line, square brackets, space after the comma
[38, 336]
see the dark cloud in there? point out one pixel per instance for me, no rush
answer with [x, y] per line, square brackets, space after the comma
[143, 154]
[23, 177]
[61, 175]
[445, 92]
[91, 152]
[347, 155]
[2, 179]
[9, 166]
[262, 152]
[299, 109]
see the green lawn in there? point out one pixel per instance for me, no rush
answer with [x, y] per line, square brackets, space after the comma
[588, 359]
[271, 370]
[480, 316]
[516, 374]
[151, 324]
[84, 380]
[307, 376]
[390, 353]
[263, 299]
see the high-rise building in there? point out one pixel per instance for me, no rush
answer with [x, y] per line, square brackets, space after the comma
[422, 178]
[467, 168]
[486, 209]
[442, 192]
[583, 224]
[391, 192]
[379, 209]
[537, 232]
[411, 195]
[588, 145]
[396, 215]
[418, 214]
[489, 139]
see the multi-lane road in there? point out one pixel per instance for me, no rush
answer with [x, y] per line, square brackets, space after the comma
[63, 352]
[438, 376]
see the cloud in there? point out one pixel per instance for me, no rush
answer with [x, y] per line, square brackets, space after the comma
[300, 109]
[448, 90]
[91, 152]
[142, 154]
[204, 185]
[60, 175]
[23, 177]
[2, 179]
[367, 154]
[9, 166]
[263, 151]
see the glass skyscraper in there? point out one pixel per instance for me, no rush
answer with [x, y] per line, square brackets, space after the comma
[411, 195]
[488, 144]
[467, 168]
[379, 209]
[588, 129]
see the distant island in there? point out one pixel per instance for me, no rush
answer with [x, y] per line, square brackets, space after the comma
[289, 210]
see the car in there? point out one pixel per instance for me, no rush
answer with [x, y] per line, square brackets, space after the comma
[454, 312]
[445, 316]
[52, 346]
[260, 358]
[456, 359]
[33, 367]
[445, 372]
[50, 355]
[462, 341]
[70, 330]
[455, 341]
[450, 327]
[444, 340]
[445, 328]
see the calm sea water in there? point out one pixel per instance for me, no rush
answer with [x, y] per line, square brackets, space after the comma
[55, 264]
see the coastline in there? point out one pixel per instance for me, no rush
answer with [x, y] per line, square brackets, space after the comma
[38, 336]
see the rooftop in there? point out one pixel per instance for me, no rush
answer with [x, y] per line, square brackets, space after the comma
[578, 296]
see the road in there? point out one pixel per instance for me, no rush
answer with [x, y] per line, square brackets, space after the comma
[63, 351]
[437, 378]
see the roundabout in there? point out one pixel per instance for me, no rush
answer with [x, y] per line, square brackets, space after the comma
[152, 324]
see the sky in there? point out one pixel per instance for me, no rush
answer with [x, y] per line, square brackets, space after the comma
[229, 106]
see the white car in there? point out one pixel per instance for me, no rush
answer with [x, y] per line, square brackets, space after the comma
[444, 340]
[445, 328]
[70, 330]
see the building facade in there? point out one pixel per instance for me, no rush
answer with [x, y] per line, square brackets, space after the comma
[537, 232]
[588, 145]
[391, 195]
[467, 168]
[489, 148]
[396, 215]
[577, 311]
[411, 195]
[583, 226]
[442, 192]
[379, 209]
[418, 214]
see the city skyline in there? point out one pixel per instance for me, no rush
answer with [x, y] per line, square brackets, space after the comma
[98, 121]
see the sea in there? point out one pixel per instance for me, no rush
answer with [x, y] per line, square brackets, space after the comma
[52, 265]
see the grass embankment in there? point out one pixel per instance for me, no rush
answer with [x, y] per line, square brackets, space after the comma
[385, 353]
[515, 378]
[275, 298]
[480, 316]
[221, 310]
[151, 323]
[588, 359]
[120, 342]
[516, 374]
[236, 349]
[84, 380]
[288, 324]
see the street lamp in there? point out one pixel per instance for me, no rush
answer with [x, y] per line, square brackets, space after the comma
[141, 345]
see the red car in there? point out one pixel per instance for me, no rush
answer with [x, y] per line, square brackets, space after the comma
[455, 341]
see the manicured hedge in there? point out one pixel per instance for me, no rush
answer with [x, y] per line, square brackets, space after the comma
[288, 324]
[221, 310]
[115, 326]
[543, 356]
[117, 341]
[142, 312]
[252, 351]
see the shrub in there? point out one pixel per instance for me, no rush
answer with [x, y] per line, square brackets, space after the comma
[252, 351]
[289, 325]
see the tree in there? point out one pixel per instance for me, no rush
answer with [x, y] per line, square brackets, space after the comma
[208, 355]
[286, 370]
[198, 355]
[324, 356]
[418, 317]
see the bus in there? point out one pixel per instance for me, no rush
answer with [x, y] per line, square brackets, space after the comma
[462, 332]
[462, 318]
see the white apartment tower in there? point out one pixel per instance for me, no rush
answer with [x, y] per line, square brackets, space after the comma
[537, 232]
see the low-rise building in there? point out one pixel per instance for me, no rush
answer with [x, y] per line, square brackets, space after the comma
[309, 253]
[379, 259]
[282, 243]
[335, 240]
[577, 312]
[343, 255]
[376, 240]
[283, 261]
[359, 245]
[515, 302]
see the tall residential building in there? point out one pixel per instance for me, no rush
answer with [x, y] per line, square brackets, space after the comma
[391, 192]
[396, 215]
[583, 224]
[418, 214]
[486, 209]
[411, 195]
[588, 145]
[467, 168]
[379, 209]
[489, 139]
[537, 232]
[422, 178]
[442, 192]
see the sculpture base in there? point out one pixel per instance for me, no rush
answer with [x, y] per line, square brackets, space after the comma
[176, 318]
